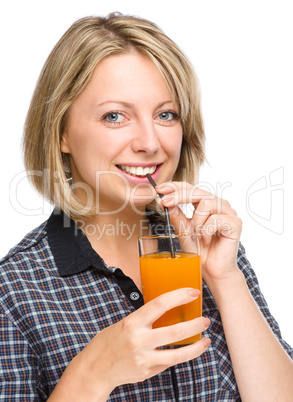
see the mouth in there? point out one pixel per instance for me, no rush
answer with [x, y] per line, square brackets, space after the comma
[138, 171]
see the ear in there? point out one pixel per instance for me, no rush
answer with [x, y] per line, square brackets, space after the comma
[64, 144]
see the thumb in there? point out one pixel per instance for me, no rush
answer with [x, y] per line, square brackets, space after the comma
[178, 219]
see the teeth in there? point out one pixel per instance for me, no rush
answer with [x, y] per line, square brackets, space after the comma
[138, 170]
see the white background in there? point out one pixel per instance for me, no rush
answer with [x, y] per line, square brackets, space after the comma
[242, 53]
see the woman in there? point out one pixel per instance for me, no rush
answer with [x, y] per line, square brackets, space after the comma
[117, 99]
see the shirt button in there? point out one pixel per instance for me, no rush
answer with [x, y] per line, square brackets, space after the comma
[134, 296]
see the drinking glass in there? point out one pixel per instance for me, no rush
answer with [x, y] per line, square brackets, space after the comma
[163, 271]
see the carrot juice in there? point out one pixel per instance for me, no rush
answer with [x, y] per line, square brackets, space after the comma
[160, 273]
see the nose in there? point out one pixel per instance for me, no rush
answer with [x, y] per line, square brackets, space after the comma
[146, 139]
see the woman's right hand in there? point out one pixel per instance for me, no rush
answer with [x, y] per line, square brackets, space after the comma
[126, 352]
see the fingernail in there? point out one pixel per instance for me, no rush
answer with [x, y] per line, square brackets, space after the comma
[194, 292]
[206, 342]
[207, 322]
[167, 200]
[158, 200]
[161, 186]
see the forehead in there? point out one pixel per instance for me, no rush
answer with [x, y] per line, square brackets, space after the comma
[132, 66]
[131, 76]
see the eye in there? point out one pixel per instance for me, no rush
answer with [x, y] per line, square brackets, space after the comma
[114, 117]
[168, 117]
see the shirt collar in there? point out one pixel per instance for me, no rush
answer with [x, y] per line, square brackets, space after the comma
[71, 249]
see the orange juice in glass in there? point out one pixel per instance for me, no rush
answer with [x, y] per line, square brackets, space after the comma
[161, 273]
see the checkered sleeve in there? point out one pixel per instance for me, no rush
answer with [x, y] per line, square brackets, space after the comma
[18, 365]
[254, 288]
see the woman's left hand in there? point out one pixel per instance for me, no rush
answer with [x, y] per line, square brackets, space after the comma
[213, 219]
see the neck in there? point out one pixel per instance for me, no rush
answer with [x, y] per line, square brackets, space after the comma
[115, 229]
[114, 238]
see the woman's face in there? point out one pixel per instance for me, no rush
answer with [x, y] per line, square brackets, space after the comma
[121, 127]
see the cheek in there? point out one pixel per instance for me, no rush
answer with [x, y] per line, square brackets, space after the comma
[85, 160]
[85, 145]
[173, 145]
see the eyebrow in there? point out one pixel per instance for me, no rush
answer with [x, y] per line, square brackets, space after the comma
[131, 105]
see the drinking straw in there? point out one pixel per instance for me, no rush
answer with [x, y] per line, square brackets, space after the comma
[169, 233]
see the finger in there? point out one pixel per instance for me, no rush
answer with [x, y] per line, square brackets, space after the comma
[171, 187]
[176, 193]
[154, 309]
[227, 225]
[171, 357]
[184, 192]
[206, 209]
[216, 206]
[173, 333]
[178, 219]
[204, 203]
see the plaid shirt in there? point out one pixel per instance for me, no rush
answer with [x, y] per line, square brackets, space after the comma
[56, 293]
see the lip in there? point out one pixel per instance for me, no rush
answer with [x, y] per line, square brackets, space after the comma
[139, 164]
[137, 179]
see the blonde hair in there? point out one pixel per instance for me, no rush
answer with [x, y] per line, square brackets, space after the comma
[66, 73]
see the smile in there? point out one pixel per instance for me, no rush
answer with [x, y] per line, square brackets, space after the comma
[140, 171]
